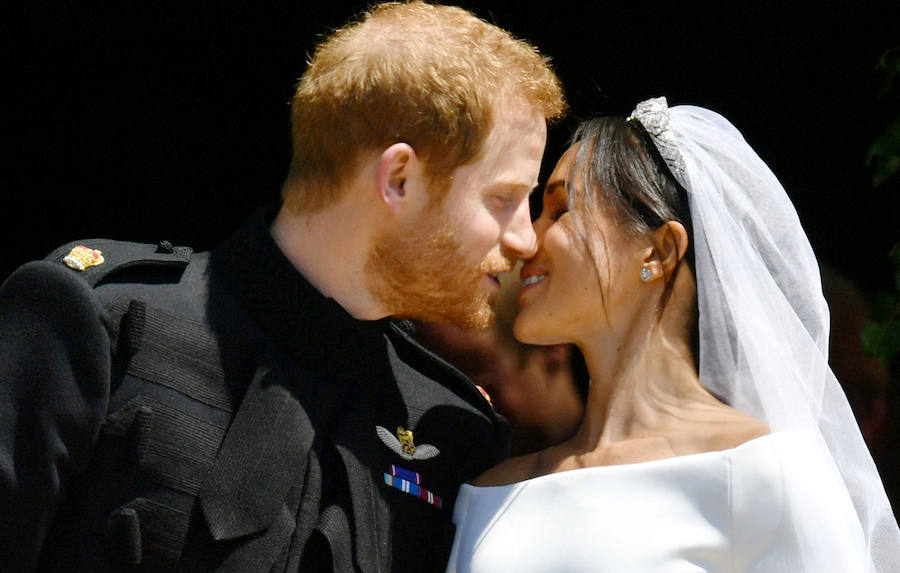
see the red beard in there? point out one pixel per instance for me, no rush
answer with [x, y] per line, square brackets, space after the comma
[421, 273]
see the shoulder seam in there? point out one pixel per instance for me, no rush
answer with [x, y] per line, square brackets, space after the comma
[114, 256]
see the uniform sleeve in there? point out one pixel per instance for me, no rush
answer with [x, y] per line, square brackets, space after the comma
[54, 391]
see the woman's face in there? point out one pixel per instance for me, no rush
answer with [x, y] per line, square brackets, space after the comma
[561, 299]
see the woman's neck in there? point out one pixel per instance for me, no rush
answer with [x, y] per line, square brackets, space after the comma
[643, 384]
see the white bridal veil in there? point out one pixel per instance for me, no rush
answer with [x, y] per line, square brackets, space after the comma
[763, 320]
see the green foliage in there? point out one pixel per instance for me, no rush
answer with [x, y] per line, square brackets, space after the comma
[881, 334]
[884, 154]
[889, 65]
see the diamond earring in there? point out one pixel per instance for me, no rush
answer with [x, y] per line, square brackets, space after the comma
[646, 275]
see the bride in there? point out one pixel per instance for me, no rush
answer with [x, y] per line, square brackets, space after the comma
[715, 437]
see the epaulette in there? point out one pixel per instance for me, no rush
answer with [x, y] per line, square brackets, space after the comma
[96, 259]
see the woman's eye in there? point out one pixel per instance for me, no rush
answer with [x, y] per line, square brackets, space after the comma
[557, 213]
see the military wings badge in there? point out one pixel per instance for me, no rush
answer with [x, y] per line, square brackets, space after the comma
[403, 445]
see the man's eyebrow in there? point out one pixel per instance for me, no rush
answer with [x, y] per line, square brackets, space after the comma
[517, 185]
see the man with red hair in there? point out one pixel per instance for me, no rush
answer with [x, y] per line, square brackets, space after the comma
[257, 407]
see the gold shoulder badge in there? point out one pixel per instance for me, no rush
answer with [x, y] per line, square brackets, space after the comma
[82, 257]
[404, 446]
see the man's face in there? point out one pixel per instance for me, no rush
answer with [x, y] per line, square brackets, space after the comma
[444, 267]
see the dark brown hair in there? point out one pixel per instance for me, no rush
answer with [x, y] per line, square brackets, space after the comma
[623, 173]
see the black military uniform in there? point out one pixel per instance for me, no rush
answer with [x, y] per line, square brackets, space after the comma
[171, 411]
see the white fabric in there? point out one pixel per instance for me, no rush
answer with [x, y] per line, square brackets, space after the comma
[715, 511]
[764, 322]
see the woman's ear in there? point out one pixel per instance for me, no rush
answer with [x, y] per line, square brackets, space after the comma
[395, 167]
[670, 242]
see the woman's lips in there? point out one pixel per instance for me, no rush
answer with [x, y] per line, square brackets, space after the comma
[530, 282]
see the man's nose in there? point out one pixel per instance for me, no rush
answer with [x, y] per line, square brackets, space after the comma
[518, 238]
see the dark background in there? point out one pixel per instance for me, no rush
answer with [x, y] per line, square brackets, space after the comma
[147, 121]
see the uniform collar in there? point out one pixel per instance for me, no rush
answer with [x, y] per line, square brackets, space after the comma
[313, 328]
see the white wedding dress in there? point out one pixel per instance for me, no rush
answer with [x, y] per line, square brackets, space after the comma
[715, 511]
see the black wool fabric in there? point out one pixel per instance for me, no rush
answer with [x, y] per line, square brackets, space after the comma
[179, 411]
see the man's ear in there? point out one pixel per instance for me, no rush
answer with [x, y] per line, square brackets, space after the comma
[396, 166]
[670, 242]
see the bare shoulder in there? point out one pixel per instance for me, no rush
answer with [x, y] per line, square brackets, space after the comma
[510, 471]
[729, 428]
[713, 428]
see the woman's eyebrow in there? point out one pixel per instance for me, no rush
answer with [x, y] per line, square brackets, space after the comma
[553, 186]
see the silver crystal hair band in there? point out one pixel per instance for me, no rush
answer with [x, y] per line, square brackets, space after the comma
[653, 115]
